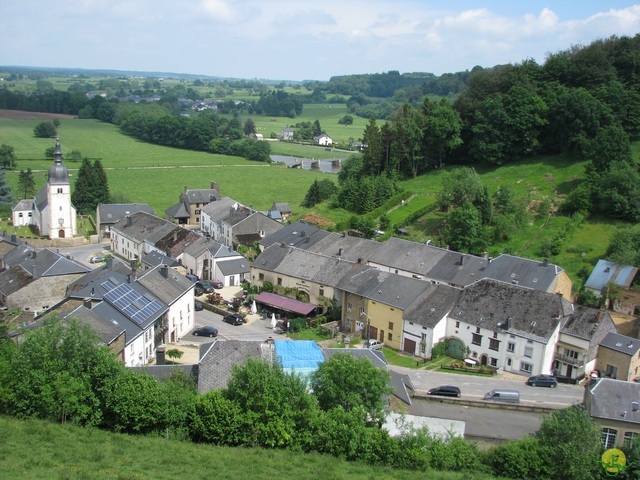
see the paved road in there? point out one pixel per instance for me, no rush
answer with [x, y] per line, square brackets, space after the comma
[255, 329]
[83, 253]
[474, 387]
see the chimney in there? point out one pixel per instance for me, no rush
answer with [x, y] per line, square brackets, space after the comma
[507, 323]
[598, 316]
[129, 278]
[485, 254]
[14, 238]
[86, 303]
[175, 236]
[302, 234]
[33, 254]
[282, 245]
[461, 260]
[129, 221]
[212, 186]
[160, 355]
[109, 262]
[164, 271]
[33, 271]
[339, 252]
[559, 313]
[545, 262]
[185, 189]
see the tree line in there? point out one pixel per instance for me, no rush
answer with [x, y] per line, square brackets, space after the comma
[61, 373]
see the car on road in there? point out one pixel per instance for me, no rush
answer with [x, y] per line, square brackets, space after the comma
[206, 287]
[97, 259]
[233, 319]
[206, 331]
[198, 306]
[445, 391]
[217, 284]
[375, 344]
[542, 381]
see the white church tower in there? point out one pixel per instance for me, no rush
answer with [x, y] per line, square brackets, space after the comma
[61, 217]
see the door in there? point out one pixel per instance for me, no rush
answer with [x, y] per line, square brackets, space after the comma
[409, 346]
[373, 332]
[483, 360]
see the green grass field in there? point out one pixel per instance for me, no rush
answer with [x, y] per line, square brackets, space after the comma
[33, 449]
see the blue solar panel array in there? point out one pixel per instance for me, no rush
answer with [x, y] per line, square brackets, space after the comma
[134, 305]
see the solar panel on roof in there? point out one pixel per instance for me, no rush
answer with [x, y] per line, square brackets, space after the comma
[136, 306]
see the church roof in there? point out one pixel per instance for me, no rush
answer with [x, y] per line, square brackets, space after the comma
[58, 173]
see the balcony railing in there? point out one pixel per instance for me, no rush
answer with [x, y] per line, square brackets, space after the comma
[568, 359]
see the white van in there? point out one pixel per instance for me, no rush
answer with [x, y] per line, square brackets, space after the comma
[502, 395]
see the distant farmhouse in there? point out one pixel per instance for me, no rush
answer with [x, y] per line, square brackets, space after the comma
[190, 203]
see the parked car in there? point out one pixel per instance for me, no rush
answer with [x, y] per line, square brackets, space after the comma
[198, 306]
[206, 331]
[205, 286]
[193, 278]
[503, 395]
[445, 391]
[198, 292]
[375, 344]
[542, 381]
[233, 319]
[217, 284]
[97, 259]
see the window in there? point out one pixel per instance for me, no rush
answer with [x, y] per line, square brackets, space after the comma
[20, 215]
[609, 437]
[476, 339]
[279, 281]
[494, 344]
[611, 372]
[390, 337]
[59, 190]
[390, 325]
[361, 311]
[493, 362]
[457, 324]
[321, 292]
[261, 276]
[630, 438]
[508, 362]
[197, 212]
[528, 351]
[348, 307]
[526, 367]
[511, 347]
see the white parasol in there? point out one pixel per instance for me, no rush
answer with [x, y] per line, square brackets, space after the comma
[273, 320]
[254, 309]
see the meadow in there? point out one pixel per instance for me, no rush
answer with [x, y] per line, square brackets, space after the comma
[34, 449]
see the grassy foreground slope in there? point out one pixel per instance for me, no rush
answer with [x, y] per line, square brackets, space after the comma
[34, 449]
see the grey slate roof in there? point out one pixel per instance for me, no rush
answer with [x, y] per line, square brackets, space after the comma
[220, 210]
[90, 285]
[346, 247]
[610, 399]
[218, 358]
[113, 212]
[200, 195]
[169, 289]
[583, 322]
[489, 303]
[42, 198]
[395, 290]
[142, 225]
[282, 207]
[43, 263]
[25, 204]
[432, 305]
[621, 343]
[233, 266]
[456, 269]
[400, 254]
[106, 330]
[155, 258]
[528, 273]
[178, 210]
[14, 279]
[305, 265]
[297, 234]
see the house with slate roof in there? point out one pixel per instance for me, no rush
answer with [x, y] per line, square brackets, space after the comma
[35, 280]
[129, 234]
[619, 357]
[508, 326]
[577, 346]
[108, 214]
[297, 234]
[615, 406]
[375, 301]
[188, 210]
[125, 302]
[315, 276]
[283, 208]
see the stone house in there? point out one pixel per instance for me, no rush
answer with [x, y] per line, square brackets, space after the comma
[188, 210]
[619, 357]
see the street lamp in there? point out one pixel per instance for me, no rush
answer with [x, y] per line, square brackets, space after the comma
[366, 342]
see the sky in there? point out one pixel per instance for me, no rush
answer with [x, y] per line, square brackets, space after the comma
[301, 39]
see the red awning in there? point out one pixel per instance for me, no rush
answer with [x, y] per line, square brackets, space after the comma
[284, 303]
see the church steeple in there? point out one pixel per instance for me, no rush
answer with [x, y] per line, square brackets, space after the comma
[58, 173]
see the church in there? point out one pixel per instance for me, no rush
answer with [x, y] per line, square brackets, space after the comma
[51, 211]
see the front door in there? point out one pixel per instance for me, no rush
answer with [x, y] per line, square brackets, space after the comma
[61, 233]
[410, 346]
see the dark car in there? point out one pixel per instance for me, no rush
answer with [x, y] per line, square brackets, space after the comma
[233, 319]
[198, 291]
[542, 381]
[205, 286]
[217, 284]
[198, 306]
[193, 278]
[206, 331]
[445, 391]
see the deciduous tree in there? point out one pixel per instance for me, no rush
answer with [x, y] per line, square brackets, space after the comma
[7, 156]
[26, 183]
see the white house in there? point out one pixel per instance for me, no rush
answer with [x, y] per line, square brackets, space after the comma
[323, 139]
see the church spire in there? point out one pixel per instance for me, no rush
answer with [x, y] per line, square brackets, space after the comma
[57, 154]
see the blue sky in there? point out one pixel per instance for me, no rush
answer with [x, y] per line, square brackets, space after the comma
[298, 40]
